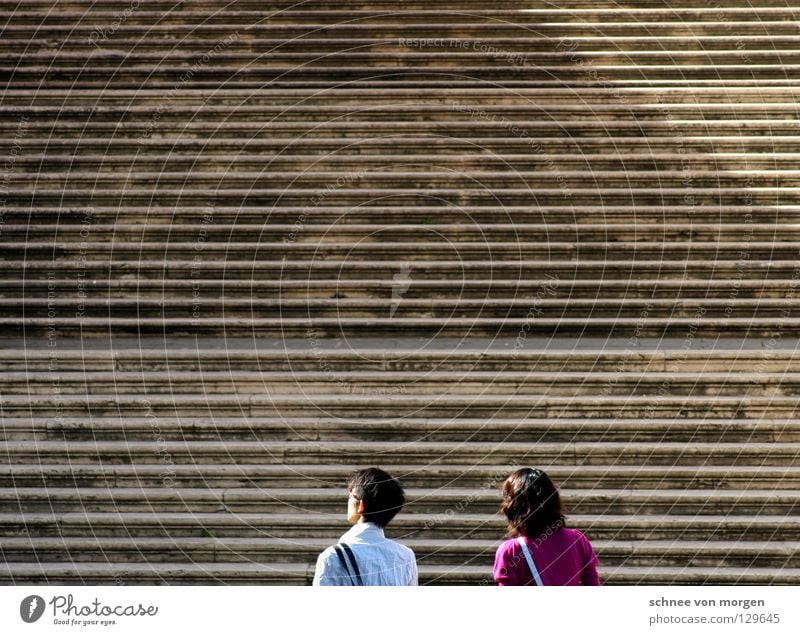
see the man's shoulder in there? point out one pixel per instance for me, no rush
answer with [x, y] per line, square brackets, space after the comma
[327, 554]
[401, 549]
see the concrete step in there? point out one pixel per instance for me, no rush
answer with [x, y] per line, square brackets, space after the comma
[354, 197]
[208, 573]
[491, 99]
[443, 18]
[181, 216]
[400, 406]
[382, 429]
[470, 121]
[275, 574]
[211, 160]
[400, 354]
[417, 214]
[462, 552]
[527, 44]
[665, 404]
[469, 162]
[295, 499]
[237, 76]
[488, 477]
[398, 305]
[392, 327]
[568, 6]
[571, 7]
[455, 271]
[399, 106]
[624, 575]
[218, 290]
[408, 53]
[160, 452]
[428, 382]
[554, 275]
[428, 260]
[428, 246]
[477, 24]
[525, 65]
[302, 551]
[352, 151]
[377, 428]
[411, 315]
[498, 142]
[419, 383]
[282, 5]
[424, 178]
[744, 80]
[468, 524]
[94, 283]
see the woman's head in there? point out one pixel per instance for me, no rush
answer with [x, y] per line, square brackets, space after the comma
[531, 503]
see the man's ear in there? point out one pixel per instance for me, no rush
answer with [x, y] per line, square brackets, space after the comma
[361, 508]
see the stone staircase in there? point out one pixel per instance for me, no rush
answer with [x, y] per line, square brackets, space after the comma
[250, 246]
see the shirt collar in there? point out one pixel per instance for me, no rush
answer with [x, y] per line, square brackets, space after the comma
[364, 530]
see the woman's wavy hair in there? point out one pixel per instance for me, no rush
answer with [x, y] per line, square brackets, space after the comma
[531, 504]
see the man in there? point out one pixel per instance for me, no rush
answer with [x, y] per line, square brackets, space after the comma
[364, 556]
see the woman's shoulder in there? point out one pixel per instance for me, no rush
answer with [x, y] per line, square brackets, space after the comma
[567, 534]
[510, 545]
[577, 540]
[572, 532]
[573, 535]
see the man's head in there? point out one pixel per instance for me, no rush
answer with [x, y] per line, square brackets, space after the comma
[375, 497]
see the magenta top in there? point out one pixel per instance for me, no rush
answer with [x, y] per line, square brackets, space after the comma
[564, 558]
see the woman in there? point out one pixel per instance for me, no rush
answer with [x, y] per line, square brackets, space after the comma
[541, 550]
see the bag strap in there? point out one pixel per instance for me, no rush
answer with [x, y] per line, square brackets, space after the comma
[354, 562]
[531, 564]
[341, 549]
[343, 562]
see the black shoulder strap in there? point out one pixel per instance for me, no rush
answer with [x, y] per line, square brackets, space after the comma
[343, 562]
[341, 549]
[353, 562]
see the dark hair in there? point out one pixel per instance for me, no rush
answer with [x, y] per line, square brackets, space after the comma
[382, 495]
[531, 503]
